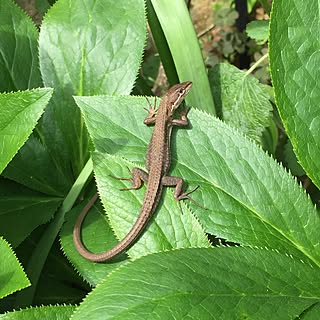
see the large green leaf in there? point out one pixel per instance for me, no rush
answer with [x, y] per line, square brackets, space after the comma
[98, 235]
[19, 113]
[219, 283]
[184, 47]
[34, 168]
[59, 283]
[39, 313]
[169, 229]
[240, 100]
[12, 275]
[83, 49]
[250, 198]
[294, 61]
[19, 69]
[22, 210]
[86, 48]
[44, 244]
[161, 44]
[19, 65]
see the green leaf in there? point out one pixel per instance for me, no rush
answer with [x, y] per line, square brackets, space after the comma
[290, 160]
[39, 313]
[22, 210]
[168, 230]
[43, 246]
[42, 5]
[59, 283]
[312, 313]
[270, 137]
[250, 198]
[241, 100]
[184, 47]
[12, 275]
[19, 113]
[19, 65]
[34, 168]
[258, 30]
[161, 44]
[294, 62]
[84, 51]
[219, 283]
[19, 69]
[101, 47]
[95, 224]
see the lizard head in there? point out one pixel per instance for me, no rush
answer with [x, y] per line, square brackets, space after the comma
[176, 95]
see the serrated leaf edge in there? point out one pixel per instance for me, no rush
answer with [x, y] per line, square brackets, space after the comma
[20, 265]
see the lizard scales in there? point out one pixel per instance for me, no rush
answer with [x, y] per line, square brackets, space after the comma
[157, 164]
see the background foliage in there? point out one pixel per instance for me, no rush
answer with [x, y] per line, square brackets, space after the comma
[65, 110]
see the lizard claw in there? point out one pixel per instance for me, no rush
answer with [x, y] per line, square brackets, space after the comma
[152, 108]
[152, 113]
[118, 178]
[185, 195]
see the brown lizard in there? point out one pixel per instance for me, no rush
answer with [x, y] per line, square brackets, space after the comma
[157, 164]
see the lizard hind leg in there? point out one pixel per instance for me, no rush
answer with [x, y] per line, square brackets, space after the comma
[185, 195]
[177, 182]
[137, 176]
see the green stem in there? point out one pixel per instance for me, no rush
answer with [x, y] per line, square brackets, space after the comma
[41, 252]
[256, 64]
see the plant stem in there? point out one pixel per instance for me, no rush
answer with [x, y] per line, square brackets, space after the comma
[41, 252]
[256, 64]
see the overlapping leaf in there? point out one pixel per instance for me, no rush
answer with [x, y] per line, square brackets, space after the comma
[240, 100]
[170, 229]
[178, 33]
[251, 199]
[12, 275]
[86, 48]
[97, 235]
[33, 166]
[19, 63]
[294, 61]
[216, 283]
[23, 210]
[19, 113]
[39, 313]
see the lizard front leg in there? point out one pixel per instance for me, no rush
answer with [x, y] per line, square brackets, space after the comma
[183, 121]
[152, 113]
